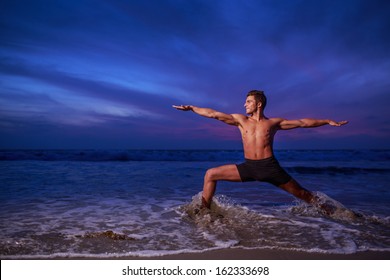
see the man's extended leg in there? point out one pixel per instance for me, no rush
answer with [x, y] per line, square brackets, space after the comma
[222, 173]
[298, 191]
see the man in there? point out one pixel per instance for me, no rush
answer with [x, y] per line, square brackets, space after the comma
[257, 133]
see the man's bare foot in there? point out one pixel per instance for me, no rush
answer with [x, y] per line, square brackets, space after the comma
[331, 209]
[203, 206]
[326, 207]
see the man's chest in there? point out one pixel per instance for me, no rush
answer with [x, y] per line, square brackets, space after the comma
[256, 130]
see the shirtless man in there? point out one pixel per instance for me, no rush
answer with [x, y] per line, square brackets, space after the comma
[257, 133]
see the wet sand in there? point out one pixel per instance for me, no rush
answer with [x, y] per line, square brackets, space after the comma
[257, 254]
[269, 254]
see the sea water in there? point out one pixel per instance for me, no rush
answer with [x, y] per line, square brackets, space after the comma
[110, 203]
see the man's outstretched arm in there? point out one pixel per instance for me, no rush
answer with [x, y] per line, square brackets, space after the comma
[209, 113]
[306, 123]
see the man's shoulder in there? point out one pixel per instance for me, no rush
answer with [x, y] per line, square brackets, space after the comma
[240, 119]
[276, 120]
[239, 116]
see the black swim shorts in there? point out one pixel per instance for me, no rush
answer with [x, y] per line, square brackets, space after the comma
[265, 170]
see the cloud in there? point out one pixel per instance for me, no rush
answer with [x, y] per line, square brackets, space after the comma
[112, 64]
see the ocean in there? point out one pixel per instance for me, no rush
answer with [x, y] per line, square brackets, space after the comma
[118, 203]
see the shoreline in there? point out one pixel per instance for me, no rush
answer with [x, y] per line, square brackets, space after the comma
[240, 254]
[266, 254]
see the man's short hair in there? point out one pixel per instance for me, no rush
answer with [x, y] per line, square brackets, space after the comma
[259, 97]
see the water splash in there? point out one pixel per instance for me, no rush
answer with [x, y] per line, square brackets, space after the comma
[222, 209]
[223, 223]
[327, 206]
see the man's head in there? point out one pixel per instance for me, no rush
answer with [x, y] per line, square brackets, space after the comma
[259, 98]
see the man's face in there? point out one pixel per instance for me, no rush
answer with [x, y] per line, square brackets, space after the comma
[250, 105]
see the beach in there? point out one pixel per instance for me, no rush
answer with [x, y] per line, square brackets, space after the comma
[255, 254]
[135, 204]
[269, 254]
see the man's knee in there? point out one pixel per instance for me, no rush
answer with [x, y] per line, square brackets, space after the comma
[211, 174]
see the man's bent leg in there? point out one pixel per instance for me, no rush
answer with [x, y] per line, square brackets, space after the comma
[222, 173]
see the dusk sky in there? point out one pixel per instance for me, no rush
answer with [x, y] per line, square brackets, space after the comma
[105, 73]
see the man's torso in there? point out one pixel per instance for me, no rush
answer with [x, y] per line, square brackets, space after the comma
[258, 136]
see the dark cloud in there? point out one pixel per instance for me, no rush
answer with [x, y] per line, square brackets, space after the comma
[118, 66]
[352, 26]
[84, 87]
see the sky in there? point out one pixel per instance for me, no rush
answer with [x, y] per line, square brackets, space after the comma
[104, 74]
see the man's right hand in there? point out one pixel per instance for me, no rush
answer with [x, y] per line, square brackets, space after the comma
[183, 107]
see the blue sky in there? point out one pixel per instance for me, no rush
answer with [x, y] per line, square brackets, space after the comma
[104, 74]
